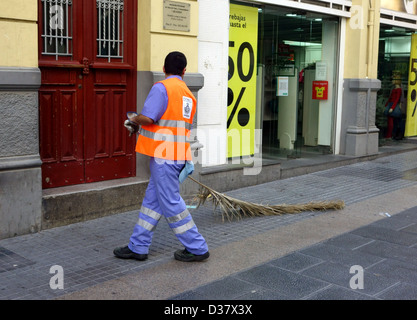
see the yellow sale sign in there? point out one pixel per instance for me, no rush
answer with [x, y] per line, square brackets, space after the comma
[243, 43]
[411, 121]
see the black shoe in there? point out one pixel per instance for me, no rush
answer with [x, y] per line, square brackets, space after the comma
[186, 256]
[126, 253]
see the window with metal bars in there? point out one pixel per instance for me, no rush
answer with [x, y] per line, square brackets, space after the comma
[57, 27]
[110, 29]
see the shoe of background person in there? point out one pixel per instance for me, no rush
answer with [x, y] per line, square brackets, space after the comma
[126, 253]
[186, 256]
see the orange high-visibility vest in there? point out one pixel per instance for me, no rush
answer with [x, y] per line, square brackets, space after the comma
[166, 139]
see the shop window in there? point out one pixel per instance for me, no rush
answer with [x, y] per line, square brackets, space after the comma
[393, 65]
[297, 54]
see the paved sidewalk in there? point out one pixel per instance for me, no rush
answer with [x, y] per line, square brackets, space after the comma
[301, 256]
[373, 262]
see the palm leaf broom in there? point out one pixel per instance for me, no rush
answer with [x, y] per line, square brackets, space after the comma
[232, 208]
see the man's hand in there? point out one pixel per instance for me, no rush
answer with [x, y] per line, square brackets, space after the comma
[134, 121]
[131, 126]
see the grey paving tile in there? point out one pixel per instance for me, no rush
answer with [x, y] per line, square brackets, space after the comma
[340, 275]
[348, 241]
[398, 221]
[395, 222]
[228, 288]
[263, 294]
[284, 282]
[410, 228]
[381, 233]
[335, 292]
[377, 173]
[401, 291]
[410, 214]
[189, 295]
[10, 260]
[331, 273]
[295, 262]
[385, 249]
[341, 255]
[404, 271]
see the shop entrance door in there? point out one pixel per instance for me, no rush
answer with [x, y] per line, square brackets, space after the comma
[87, 57]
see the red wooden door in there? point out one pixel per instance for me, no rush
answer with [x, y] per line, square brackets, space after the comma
[87, 57]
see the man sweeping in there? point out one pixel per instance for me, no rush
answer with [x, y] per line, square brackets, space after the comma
[165, 122]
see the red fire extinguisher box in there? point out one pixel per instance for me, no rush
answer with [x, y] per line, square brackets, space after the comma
[320, 90]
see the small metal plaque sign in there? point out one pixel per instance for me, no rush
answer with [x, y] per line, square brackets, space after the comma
[176, 16]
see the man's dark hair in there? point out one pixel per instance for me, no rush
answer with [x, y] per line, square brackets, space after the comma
[175, 62]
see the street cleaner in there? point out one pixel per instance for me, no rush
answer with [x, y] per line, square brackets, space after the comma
[163, 125]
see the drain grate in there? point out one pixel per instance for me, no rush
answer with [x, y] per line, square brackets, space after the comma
[11, 261]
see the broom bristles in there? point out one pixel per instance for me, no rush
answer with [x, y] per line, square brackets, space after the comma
[234, 208]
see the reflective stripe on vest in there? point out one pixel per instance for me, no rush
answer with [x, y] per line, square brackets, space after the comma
[174, 124]
[162, 136]
[165, 134]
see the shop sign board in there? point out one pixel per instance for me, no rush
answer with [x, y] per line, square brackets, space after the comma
[411, 121]
[320, 90]
[241, 110]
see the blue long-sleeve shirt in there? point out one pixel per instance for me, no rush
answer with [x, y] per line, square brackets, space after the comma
[157, 101]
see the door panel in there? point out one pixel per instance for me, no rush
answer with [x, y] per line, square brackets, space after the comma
[61, 147]
[47, 132]
[68, 124]
[108, 155]
[119, 101]
[88, 85]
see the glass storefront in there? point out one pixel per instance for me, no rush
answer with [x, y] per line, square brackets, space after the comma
[297, 53]
[393, 70]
